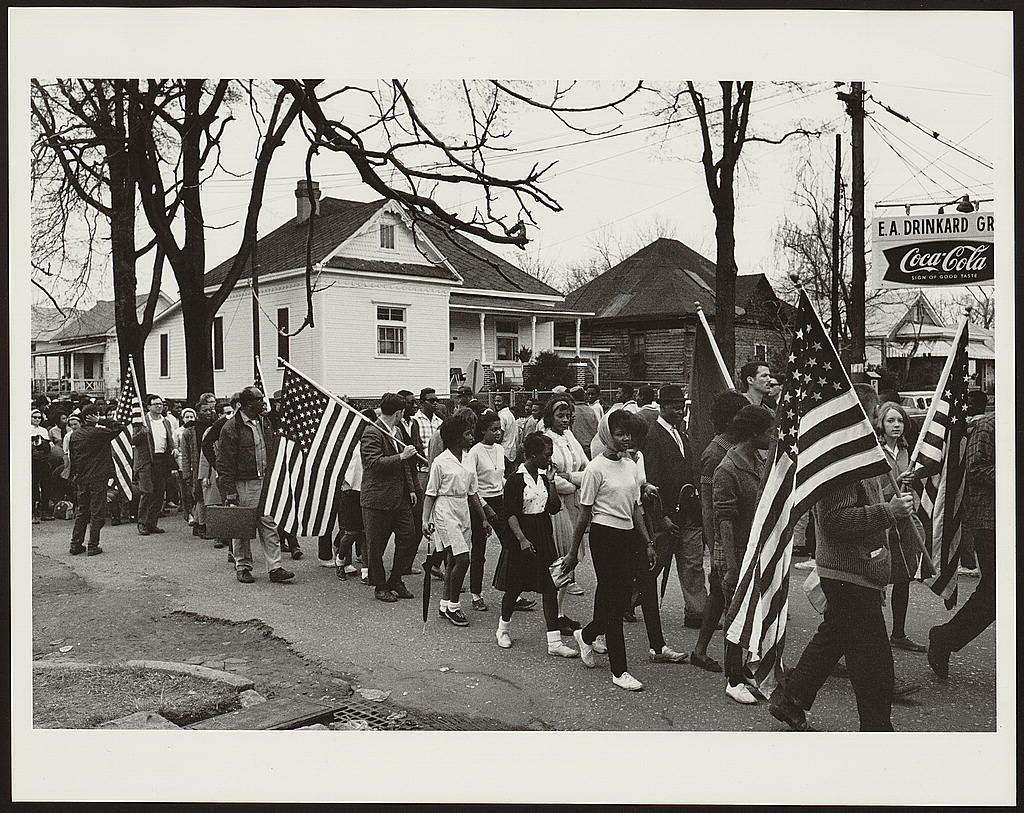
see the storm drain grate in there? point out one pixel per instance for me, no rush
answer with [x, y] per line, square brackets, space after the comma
[363, 715]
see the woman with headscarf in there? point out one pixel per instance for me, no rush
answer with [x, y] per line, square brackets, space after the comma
[610, 506]
[184, 473]
[568, 460]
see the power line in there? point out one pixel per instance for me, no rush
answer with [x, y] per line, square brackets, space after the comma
[934, 134]
[956, 181]
[914, 170]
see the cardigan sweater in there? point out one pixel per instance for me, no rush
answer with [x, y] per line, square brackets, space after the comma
[852, 544]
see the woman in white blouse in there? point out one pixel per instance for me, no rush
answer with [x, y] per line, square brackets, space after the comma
[568, 460]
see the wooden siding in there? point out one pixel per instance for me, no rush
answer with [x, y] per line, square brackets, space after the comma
[365, 244]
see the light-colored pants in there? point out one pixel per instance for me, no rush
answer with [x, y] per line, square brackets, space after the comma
[688, 551]
[249, 497]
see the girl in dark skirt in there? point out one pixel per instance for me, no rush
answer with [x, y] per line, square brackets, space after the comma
[528, 549]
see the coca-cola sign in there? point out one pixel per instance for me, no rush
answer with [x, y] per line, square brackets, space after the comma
[930, 251]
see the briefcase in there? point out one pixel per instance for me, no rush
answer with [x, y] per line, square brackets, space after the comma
[231, 522]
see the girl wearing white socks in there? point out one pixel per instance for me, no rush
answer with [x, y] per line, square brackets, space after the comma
[529, 548]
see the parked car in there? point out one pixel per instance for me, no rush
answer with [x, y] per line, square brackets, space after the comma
[917, 402]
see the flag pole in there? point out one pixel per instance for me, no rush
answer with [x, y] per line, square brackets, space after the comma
[935, 397]
[347, 406]
[714, 345]
[263, 380]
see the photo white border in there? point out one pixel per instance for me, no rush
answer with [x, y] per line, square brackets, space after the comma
[641, 767]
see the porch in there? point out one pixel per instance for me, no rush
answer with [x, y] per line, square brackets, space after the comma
[62, 370]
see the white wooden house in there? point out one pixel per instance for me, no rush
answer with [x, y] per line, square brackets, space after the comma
[397, 305]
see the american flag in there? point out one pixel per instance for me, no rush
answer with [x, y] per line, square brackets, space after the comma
[939, 471]
[823, 440]
[129, 411]
[317, 437]
[258, 383]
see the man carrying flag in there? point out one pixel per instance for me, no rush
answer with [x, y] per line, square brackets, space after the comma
[825, 451]
[129, 411]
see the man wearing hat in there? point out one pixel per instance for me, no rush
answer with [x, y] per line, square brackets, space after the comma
[671, 467]
[91, 468]
[584, 421]
[463, 395]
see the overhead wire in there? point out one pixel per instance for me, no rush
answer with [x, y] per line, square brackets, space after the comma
[915, 171]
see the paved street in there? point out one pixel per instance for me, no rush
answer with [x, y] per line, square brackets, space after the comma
[441, 668]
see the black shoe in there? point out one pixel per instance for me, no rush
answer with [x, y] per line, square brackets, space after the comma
[94, 551]
[524, 604]
[114, 521]
[77, 549]
[383, 594]
[296, 553]
[566, 626]
[143, 530]
[785, 710]
[402, 591]
[413, 571]
[279, 574]
[938, 658]
[901, 689]
[156, 530]
[220, 543]
[707, 663]
[629, 616]
[197, 530]
[456, 617]
[340, 573]
[244, 576]
[231, 559]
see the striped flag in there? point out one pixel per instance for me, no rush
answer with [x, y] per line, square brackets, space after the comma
[823, 440]
[940, 458]
[129, 411]
[317, 437]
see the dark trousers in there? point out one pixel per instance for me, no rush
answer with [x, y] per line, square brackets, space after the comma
[647, 585]
[151, 502]
[478, 542]
[91, 512]
[378, 525]
[980, 609]
[612, 550]
[855, 627]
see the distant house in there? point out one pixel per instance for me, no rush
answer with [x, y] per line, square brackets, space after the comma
[645, 317]
[78, 352]
[397, 304]
[915, 344]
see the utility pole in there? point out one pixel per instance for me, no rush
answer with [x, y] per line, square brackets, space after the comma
[254, 267]
[858, 282]
[836, 257]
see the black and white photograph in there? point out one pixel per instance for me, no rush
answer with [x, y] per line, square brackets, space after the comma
[524, 391]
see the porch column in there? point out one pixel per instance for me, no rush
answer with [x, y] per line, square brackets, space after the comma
[533, 335]
[72, 362]
[483, 340]
[578, 320]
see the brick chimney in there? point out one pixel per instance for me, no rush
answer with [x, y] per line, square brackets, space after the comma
[302, 207]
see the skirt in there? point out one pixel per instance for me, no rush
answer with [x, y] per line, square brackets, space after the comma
[563, 523]
[452, 527]
[525, 571]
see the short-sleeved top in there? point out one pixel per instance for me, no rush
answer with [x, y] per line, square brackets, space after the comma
[611, 488]
[489, 464]
[450, 478]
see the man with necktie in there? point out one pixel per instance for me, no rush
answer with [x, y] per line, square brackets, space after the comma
[153, 442]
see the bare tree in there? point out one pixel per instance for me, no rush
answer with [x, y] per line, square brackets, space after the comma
[729, 136]
[83, 184]
[610, 246]
[979, 301]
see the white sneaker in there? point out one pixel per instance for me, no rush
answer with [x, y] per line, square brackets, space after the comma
[667, 655]
[505, 640]
[350, 569]
[586, 650]
[628, 682]
[808, 565]
[741, 694]
[326, 563]
[562, 651]
[600, 646]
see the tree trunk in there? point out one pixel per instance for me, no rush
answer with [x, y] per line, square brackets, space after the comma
[198, 323]
[725, 268]
[130, 339]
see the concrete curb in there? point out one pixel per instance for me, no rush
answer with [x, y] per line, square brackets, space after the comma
[237, 681]
[55, 664]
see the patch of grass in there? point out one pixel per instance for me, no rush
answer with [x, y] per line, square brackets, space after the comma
[87, 697]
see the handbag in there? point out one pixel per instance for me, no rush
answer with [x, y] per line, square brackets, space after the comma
[558, 576]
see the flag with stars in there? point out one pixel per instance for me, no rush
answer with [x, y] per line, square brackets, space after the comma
[823, 440]
[129, 411]
[939, 464]
[316, 440]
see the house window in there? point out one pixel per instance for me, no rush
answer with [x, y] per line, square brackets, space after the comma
[165, 356]
[761, 352]
[508, 339]
[282, 336]
[218, 342]
[87, 367]
[637, 345]
[387, 236]
[390, 330]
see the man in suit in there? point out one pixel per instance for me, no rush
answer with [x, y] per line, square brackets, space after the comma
[584, 419]
[153, 442]
[645, 398]
[387, 498]
[671, 467]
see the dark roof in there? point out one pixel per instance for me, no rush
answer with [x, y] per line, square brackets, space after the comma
[93, 322]
[664, 278]
[383, 267]
[47, 322]
[285, 248]
[509, 304]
